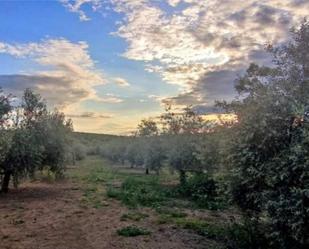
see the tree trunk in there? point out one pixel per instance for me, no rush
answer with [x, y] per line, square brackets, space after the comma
[182, 177]
[6, 181]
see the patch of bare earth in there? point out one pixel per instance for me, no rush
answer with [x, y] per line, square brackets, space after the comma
[51, 216]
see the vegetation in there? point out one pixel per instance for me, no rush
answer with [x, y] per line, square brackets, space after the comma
[269, 152]
[132, 231]
[135, 216]
[33, 138]
[260, 157]
[258, 162]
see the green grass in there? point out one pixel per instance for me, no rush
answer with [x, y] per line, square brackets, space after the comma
[134, 216]
[171, 212]
[136, 192]
[131, 186]
[132, 231]
[98, 179]
[211, 231]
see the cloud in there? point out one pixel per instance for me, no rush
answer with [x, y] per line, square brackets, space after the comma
[204, 45]
[55, 89]
[65, 73]
[75, 6]
[201, 46]
[92, 115]
[109, 98]
[173, 3]
[121, 82]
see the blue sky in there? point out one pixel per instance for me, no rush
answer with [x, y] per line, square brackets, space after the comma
[109, 63]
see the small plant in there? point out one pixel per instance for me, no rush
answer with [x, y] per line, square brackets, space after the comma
[204, 191]
[203, 228]
[92, 197]
[135, 216]
[135, 192]
[132, 231]
[247, 236]
[113, 193]
[171, 213]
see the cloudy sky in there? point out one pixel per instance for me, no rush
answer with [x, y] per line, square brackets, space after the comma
[109, 63]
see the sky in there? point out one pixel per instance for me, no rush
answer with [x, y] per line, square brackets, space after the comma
[109, 63]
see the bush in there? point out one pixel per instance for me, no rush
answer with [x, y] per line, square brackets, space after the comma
[203, 190]
[114, 193]
[247, 236]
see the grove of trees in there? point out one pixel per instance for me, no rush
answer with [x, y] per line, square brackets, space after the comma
[259, 158]
[262, 154]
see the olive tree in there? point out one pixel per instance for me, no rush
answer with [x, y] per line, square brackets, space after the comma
[5, 136]
[181, 131]
[147, 128]
[135, 152]
[155, 154]
[182, 155]
[153, 151]
[270, 144]
[37, 140]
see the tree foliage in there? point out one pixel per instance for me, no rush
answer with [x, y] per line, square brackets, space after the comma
[35, 139]
[147, 128]
[269, 152]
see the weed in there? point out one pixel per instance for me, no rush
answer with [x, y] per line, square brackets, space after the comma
[203, 191]
[132, 231]
[171, 213]
[135, 192]
[135, 216]
[113, 193]
[164, 219]
[203, 228]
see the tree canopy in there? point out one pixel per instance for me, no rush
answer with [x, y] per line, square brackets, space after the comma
[269, 150]
[32, 138]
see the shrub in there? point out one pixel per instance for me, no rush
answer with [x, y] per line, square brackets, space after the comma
[203, 190]
[113, 193]
[246, 236]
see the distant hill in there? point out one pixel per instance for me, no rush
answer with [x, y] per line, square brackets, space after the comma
[91, 136]
[95, 138]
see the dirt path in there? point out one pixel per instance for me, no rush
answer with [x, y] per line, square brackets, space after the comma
[51, 216]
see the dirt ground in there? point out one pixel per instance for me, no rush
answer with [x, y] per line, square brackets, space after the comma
[51, 216]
